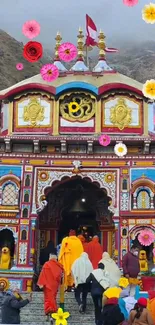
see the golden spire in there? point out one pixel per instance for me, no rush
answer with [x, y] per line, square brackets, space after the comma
[101, 45]
[80, 45]
[58, 42]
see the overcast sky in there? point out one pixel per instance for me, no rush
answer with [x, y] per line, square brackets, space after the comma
[116, 20]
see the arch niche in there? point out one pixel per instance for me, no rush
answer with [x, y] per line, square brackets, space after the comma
[74, 202]
[133, 235]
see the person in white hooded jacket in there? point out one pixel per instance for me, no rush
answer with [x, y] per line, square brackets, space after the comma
[112, 268]
[81, 270]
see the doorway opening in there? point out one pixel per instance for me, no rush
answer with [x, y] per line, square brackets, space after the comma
[75, 203]
[7, 240]
[147, 249]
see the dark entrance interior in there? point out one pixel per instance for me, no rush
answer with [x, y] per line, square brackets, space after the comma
[147, 249]
[75, 203]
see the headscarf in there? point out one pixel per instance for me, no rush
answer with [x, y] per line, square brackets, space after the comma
[142, 302]
[112, 268]
[81, 269]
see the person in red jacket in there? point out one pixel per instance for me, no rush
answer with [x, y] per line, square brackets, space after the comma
[131, 267]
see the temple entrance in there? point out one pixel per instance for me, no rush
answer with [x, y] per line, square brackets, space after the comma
[73, 204]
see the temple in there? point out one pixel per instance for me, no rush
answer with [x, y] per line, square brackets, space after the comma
[54, 174]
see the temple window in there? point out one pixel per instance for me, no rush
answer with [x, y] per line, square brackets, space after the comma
[124, 232]
[27, 180]
[9, 195]
[25, 213]
[125, 184]
[143, 200]
[24, 235]
[26, 197]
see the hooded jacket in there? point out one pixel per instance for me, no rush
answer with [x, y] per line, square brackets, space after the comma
[10, 309]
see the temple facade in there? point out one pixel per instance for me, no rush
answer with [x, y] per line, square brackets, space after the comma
[50, 158]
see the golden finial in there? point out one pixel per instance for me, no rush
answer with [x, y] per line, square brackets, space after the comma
[58, 42]
[101, 45]
[144, 176]
[80, 44]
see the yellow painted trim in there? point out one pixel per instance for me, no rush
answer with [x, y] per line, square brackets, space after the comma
[11, 161]
[145, 117]
[56, 118]
[10, 118]
[98, 117]
[110, 243]
[62, 162]
[37, 162]
[144, 163]
[91, 163]
[117, 163]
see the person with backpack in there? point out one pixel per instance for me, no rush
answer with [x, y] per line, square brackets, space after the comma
[140, 315]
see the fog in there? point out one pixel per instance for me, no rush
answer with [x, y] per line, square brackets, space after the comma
[119, 23]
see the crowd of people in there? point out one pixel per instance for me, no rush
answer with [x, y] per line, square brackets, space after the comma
[83, 267]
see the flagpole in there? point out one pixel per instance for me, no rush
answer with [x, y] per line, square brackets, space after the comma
[87, 58]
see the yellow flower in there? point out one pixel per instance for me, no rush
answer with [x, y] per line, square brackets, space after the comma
[73, 107]
[148, 13]
[60, 317]
[149, 89]
[123, 282]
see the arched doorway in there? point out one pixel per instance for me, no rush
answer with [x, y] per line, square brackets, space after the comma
[7, 240]
[75, 203]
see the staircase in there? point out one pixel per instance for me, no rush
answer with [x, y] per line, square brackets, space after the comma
[33, 313]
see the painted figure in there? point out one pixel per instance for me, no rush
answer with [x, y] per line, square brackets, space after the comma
[143, 261]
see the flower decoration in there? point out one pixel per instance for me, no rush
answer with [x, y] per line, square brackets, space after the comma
[19, 66]
[31, 29]
[104, 140]
[73, 107]
[123, 282]
[149, 89]
[109, 178]
[60, 317]
[148, 13]
[120, 149]
[130, 3]
[4, 283]
[67, 52]
[146, 237]
[33, 51]
[49, 72]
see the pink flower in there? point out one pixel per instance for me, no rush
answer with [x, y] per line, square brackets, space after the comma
[130, 3]
[104, 140]
[67, 52]
[146, 237]
[31, 29]
[19, 66]
[49, 72]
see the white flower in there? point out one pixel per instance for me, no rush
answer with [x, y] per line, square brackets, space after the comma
[120, 149]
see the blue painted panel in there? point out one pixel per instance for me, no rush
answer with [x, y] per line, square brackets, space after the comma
[16, 170]
[137, 173]
[151, 114]
[77, 84]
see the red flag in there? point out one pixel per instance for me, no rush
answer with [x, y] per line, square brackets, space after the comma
[91, 29]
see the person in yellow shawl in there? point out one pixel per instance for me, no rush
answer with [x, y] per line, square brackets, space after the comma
[115, 292]
[71, 249]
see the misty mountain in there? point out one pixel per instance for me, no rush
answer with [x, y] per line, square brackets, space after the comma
[136, 61]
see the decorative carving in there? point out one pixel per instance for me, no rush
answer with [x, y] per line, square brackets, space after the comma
[85, 102]
[36, 145]
[33, 112]
[22, 253]
[120, 115]
[90, 147]
[63, 147]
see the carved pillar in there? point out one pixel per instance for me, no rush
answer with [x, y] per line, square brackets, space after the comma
[36, 146]
[146, 147]
[15, 250]
[7, 145]
[90, 147]
[152, 201]
[32, 248]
